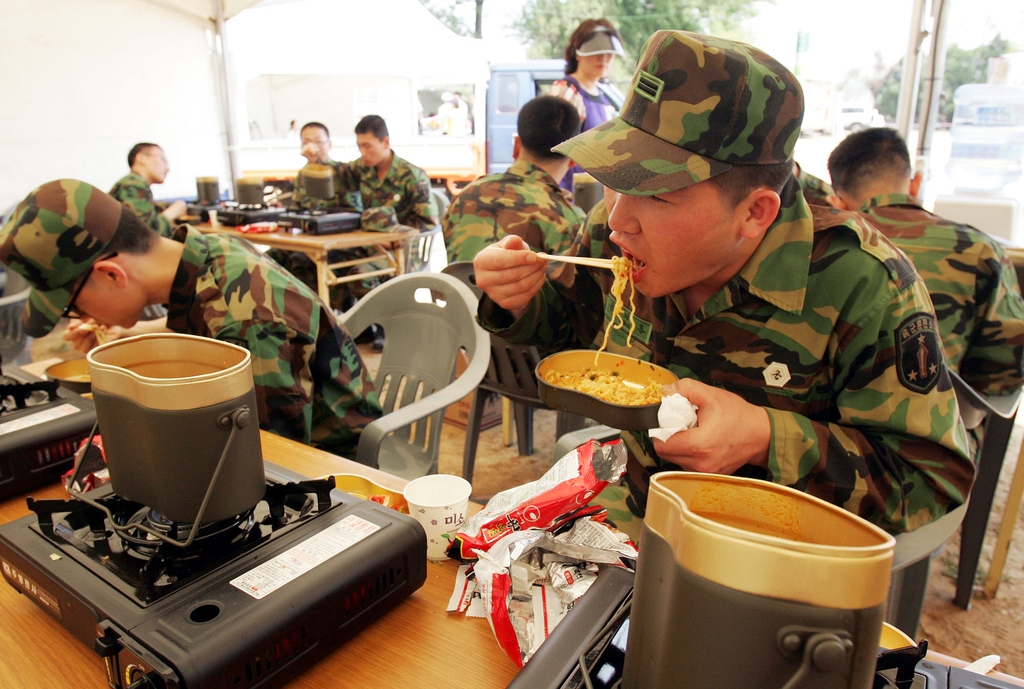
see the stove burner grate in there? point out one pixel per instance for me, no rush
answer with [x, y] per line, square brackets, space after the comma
[15, 394]
[146, 568]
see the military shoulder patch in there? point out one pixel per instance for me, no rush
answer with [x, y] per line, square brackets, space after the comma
[919, 352]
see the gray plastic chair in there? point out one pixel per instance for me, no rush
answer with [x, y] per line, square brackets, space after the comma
[998, 415]
[427, 318]
[12, 305]
[417, 254]
[511, 374]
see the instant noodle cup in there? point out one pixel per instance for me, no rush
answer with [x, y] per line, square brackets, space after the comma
[619, 391]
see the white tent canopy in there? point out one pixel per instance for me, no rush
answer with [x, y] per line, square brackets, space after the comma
[85, 80]
[88, 79]
[384, 37]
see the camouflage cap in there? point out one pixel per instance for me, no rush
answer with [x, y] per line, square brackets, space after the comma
[381, 219]
[51, 238]
[697, 105]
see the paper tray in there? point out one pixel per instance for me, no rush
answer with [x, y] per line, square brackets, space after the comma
[362, 487]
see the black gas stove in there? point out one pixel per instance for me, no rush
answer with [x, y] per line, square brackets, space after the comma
[233, 214]
[321, 222]
[253, 601]
[41, 425]
[202, 210]
[597, 628]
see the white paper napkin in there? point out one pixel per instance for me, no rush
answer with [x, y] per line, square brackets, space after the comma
[675, 414]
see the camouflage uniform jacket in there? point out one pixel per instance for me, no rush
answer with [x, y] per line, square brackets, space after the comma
[406, 188]
[826, 326]
[311, 384]
[524, 200]
[816, 190]
[973, 286]
[134, 190]
[343, 196]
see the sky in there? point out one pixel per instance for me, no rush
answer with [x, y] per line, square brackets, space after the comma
[840, 40]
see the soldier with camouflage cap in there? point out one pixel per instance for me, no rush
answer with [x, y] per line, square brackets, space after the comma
[803, 336]
[971, 279]
[149, 166]
[525, 200]
[88, 257]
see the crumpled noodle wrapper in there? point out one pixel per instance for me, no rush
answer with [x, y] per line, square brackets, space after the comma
[529, 580]
[557, 497]
[675, 414]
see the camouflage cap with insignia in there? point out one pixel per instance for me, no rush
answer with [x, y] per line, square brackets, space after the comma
[380, 219]
[697, 105]
[53, 237]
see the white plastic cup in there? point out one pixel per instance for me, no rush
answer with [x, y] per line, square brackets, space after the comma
[214, 223]
[438, 502]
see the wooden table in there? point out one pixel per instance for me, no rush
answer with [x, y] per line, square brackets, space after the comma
[417, 644]
[389, 246]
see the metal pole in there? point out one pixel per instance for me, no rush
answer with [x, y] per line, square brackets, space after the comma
[936, 72]
[908, 85]
[227, 95]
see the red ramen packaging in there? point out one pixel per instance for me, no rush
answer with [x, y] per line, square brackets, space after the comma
[93, 472]
[529, 580]
[552, 501]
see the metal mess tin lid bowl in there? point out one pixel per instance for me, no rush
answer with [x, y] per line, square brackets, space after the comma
[770, 540]
[171, 371]
[624, 417]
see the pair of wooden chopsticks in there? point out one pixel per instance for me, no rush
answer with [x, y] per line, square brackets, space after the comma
[580, 260]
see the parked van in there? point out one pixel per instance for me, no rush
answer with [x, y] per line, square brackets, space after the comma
[511, 86]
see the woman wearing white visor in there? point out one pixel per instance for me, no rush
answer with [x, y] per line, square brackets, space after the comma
[588, 60]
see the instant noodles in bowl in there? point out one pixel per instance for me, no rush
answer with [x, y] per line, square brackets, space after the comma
[616, 390]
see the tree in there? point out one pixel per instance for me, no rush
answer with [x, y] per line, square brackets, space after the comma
[545, 25]
[448, 13]
[967, 67]
[962, 67]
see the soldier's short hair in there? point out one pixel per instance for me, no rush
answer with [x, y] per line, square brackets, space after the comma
[373, 124]
[315, 124]
[739, 180]
[545, 122]
[873, 153]
[137, 149]
[132, 236]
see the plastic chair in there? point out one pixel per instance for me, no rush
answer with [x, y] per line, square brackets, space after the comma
[417, 254]
[12, 305]
[510, 373]
[911, 564]
[427, 319]
[998, 415]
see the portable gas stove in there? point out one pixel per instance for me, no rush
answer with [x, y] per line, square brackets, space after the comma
[253, 601]
[233, 214]
[202, 210]
[321, 222]
[597, 628]
[41, 425]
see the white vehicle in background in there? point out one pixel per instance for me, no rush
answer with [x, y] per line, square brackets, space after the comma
[853, 118]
